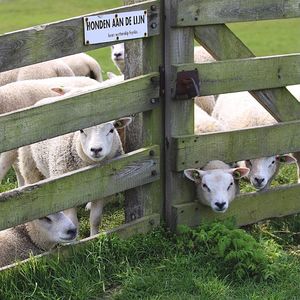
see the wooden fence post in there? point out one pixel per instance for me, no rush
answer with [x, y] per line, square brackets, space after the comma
[179, 114]
[141, 57]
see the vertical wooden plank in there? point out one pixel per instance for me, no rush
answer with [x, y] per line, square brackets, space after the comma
[142, 57]
[179, 115]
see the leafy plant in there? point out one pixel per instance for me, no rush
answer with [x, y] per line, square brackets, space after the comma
[232, 251]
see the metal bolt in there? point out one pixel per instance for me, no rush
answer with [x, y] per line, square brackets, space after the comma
[145, 34]
[152, 100]
[196, 18]
[117, 37]
[153, 173]
[87, 42]
[153, 7]
[153, 25]
[151, 152]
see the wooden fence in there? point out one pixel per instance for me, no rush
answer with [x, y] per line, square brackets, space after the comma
[152, 173]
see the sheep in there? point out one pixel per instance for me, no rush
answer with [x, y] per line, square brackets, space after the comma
[204, 123]
[207, 103]
[34, 237]
[241, 110]
[78, 64]
[118, 56]
[21, 94]
[70, 152]
[53, 68]
[216, 184]
[84, 65]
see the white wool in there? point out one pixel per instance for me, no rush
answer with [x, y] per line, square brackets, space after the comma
[35, 237]
[241, 110]
[207, 103]
[204, 123]
[21, 94]
[84, 65]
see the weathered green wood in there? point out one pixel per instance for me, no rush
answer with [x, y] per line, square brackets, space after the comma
[223, 44]
[78, 187]
[33, 124]
[247, 208]
[197, 150]
[53, 40]
[246, 74]
[144, 56]
[139, 226]
[202, 12]
[179, 115]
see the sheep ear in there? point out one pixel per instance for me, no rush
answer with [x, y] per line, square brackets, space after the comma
[238, 173]
[286, 159]
[123, 122]
[111, 75]
[59, 90]
[193, 174]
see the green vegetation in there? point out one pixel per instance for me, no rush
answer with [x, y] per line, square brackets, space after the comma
[214, 261]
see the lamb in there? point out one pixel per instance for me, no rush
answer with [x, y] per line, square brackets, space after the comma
[70, 152]
[216, 184]
[118, 56]
[21, 94]
[84, 65]
[241, 110]
[34, 237]
[53, 68]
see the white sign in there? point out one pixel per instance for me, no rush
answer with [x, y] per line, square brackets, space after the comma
[115, 27]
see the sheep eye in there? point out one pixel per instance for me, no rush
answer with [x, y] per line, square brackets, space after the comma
[206, 187]
[273, 162]
[112, 130]
[230, 185]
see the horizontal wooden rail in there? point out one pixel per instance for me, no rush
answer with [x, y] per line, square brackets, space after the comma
[30, 125]
[203, 12]
[54, 40]
[247, 208]
[72, 189]
[223, 44]
[196, 151]
[142, 225]
[246, 74]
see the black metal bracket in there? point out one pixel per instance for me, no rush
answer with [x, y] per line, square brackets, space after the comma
[187, 85]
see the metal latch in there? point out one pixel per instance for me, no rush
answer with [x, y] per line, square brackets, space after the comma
[187, 84]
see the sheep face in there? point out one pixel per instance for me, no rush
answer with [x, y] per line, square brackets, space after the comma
[263, 170]
[57, 228]
[118, 56]
[97, 141]
[216, 188]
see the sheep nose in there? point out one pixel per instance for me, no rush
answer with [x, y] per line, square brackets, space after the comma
[220, 205]
[96, 150]
[259, 180]
[117, 55]
[72, 233]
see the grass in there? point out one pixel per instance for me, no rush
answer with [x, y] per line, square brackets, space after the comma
[159, 265]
